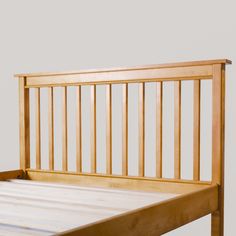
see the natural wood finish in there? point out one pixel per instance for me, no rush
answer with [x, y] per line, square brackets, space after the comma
[44, 205]
[108, 129]
[157, 219]
[37, 128]
[12, 174]
[218, 126]
[93, 132]
[51, 128]
[137, 75]
[168, 65]
[64, 130]
[125, 130]
[117, 181]
[141, 129]
[78, 131]
[177, 130]
[24, 118]
[171, 214]
[196, 129]
[159, 93]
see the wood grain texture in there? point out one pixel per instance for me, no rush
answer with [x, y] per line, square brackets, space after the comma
[37, 128]
[218, 123]
[123, 76]
[93, 131]
[157, 219]
[141, 129]
[166, 65]
[117, 181]
[125, 130]
[108, 129]
[159, 103]
[78, 131]
[43, 206]
[170, 214]
[24, 119]
[177, 130]
[12, 174]
[64, 130]
[196, 129]
[51, 128]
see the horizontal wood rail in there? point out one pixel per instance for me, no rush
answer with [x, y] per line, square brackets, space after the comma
[117, 181]
[190, 207]
[152, 73]
[12, 174]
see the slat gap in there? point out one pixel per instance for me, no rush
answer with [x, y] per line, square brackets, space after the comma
[109, 129]
[159, 103]
[64, 130]
[37, 128]
[141, 129]
[93, 130]
[51, 127]
[78, 131]
[125, 130]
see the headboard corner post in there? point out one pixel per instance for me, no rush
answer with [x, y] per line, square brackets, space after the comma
[218, 139]
[24, 124]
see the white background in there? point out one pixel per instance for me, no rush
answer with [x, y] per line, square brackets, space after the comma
[71, 35]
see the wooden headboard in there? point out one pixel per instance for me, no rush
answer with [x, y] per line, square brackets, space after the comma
[196, 71]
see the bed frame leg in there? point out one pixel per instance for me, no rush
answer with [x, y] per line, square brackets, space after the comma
[217, 224]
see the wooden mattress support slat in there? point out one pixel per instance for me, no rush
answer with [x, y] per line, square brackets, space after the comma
[13, 230]
[40, 208]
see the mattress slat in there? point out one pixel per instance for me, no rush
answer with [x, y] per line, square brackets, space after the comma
[50, 207]
[12, 230]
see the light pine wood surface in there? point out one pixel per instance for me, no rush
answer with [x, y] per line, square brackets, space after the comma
[196, 198]
[46, 208]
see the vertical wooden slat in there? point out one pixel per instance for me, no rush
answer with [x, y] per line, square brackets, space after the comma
[196, 129]
[24, 118]
[64, 130]
[159, 129]
[218, 119]
[141, 129]
[177, 130]
[51, 128]
[37, 128]
[93, 130]
[78, 131]
[109, 129]
[125, 130]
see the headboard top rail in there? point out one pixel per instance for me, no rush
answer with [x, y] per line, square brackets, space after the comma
[152, 66]
[149, 73]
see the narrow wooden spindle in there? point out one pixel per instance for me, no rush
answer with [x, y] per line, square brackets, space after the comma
[109, 129]
[159, 130]
[51, 128]
[64, 130]
[93, 129]
[141, 129]
[78, 131]
[177, 130]
[38, 128]
[196, 129]
[125, 130]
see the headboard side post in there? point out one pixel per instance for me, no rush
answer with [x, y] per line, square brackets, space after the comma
[24, 122]
[218, 123]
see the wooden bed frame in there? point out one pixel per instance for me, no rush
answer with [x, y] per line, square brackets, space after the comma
[198, 198]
